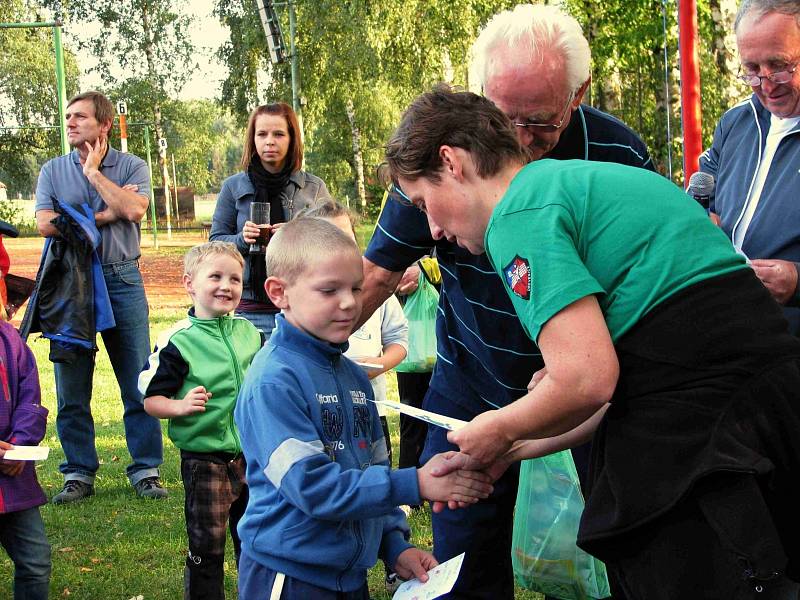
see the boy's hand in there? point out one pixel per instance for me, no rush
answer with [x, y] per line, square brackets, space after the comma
[415, 563]
[12, 468]
[453, 461]
[457, 486]
[195, 401]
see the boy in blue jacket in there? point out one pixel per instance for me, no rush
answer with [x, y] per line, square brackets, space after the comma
[323, 498]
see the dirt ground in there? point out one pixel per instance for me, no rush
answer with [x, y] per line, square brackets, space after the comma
[161, 268]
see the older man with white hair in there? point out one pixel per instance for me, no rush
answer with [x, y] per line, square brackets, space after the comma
[533, 62]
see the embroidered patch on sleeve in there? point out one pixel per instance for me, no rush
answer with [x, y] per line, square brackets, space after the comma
[518, 277]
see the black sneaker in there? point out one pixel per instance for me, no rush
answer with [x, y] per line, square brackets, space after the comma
[73, 491]
[150, 487]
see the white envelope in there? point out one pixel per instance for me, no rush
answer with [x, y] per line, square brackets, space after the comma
[27, 453]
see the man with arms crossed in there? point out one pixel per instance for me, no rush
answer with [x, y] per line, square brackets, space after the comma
[116, 186]
[485, 360]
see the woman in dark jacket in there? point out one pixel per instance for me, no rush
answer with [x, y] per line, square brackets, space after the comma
[271, 163]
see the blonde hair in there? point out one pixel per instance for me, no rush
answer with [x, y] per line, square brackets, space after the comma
[196, 255]
[301, 242]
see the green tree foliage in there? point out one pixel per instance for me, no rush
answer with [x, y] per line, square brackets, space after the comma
[202, 135]
[28, 97]
[146, 39]
[380, 54]
[627, 38]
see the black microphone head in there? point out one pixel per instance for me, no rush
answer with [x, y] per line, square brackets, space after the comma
[701, 184]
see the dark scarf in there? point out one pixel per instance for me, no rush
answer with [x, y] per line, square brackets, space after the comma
[271, 188]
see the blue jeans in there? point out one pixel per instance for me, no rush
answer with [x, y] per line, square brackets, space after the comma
[483, 530]
[264, 322]
[22, 535]
[128, 346]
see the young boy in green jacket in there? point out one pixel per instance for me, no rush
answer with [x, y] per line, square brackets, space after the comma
[193, 378]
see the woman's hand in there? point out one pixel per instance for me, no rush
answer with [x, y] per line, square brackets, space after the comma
[250, 232]
[483, 439]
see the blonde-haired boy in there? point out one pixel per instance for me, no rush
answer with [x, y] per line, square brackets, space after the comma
[193, 378]
[323, 499]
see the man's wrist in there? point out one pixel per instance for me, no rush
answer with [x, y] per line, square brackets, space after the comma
[91, 174]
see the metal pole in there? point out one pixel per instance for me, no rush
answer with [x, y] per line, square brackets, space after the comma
[167, 197]
[298, 109]
[175, 187]
[61, 90]
[29, 25]
[153, 224]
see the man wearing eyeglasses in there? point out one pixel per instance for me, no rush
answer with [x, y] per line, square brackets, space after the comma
[539, 81]
[533, 62]
[755, 154]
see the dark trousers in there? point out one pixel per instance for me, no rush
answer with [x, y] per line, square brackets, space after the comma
[387, 437]
[412, 387]
[482, 530]
[216, 496]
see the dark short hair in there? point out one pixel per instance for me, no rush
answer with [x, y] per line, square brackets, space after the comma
[281, 109]
[444, 117]
[103, 109]
[763, 7]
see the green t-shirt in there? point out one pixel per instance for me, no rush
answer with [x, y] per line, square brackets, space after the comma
[568, 229]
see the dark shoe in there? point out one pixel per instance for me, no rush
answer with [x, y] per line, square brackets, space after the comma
[73, 491]
[150, 487]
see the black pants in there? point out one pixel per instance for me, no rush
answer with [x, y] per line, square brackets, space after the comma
[412, 387]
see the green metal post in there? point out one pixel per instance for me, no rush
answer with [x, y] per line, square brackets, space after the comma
[61, 90]
[153, 224]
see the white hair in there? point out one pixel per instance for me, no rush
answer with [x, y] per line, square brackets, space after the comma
[535, 30]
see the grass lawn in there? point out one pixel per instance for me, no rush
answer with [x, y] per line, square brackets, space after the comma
[114, 545]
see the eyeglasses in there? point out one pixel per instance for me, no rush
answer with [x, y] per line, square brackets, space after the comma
[549, 127]
[754, 80]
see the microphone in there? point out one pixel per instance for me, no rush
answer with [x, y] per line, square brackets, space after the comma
[701, 186]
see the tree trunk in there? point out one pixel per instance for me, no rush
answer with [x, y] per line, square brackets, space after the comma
[358, 159]
[723, 45]
[154, 81]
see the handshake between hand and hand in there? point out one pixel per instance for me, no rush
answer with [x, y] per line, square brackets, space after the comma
[453, 479]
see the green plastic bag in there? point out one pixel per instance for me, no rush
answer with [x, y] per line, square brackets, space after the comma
[420, 310]
[544, 553]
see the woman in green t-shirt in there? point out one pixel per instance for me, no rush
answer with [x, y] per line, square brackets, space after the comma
[660, 345]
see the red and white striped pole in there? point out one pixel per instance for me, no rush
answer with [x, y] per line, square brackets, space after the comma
[122, 111]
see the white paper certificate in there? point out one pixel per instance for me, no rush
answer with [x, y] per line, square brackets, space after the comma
[442, 579]
[432, 418]
[27, 453]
